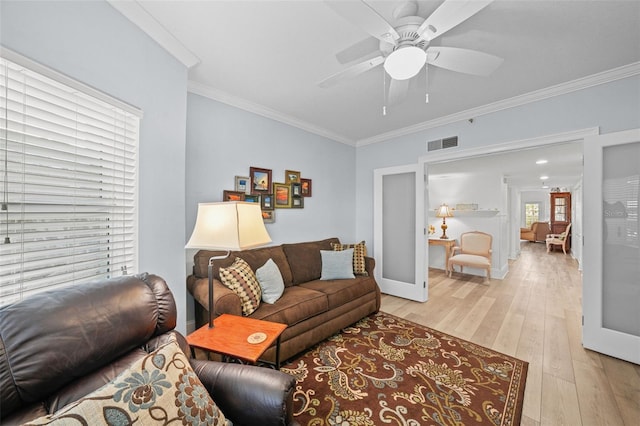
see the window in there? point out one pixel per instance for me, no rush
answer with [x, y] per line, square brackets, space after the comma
[531, 213]
[68, 160]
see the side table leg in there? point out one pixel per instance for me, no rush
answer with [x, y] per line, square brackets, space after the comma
[278, 353]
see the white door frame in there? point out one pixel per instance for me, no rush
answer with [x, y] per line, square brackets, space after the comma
[454, 154]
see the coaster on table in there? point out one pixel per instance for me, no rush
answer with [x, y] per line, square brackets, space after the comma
[257, 338]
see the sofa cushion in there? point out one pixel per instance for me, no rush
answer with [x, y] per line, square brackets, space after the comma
[304, 259]
[158, 387]
[359, 253]
[339, 292]
[297, 304]
[254, 257]
[337, 264]
[270, 280]
[240, 278]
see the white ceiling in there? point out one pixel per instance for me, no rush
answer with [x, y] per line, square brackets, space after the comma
[267, 57]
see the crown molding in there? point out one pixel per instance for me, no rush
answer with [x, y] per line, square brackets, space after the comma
[235, 101]
[549, 92]
[133, 11]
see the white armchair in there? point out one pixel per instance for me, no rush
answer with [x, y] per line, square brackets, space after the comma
[474, 251]
[558, 240]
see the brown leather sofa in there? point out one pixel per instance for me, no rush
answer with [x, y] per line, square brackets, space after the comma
[313, 309]
[56, 347]
[537, 232]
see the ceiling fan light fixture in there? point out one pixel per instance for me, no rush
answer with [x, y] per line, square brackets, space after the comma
[405, 62]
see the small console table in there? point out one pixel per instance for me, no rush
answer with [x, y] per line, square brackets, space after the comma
[448, 244]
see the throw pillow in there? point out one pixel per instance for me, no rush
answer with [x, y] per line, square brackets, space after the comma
[239, 278]
[337, 265]
[270, 280]
[159, 388]
[359, 253]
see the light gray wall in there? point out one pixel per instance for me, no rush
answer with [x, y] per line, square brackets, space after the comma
[613, 107]
[95, 44]
[224, 141]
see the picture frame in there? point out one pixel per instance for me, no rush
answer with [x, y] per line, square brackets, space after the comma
[266, 201]
[228, 195]
[281, 195]
[297, 202]
[306, 187]
[296, 189]
[243, 184]
[291, 176]
[260, 180]
[252, 198]
[268, 216]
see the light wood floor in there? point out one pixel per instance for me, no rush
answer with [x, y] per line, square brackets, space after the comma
[534, 314]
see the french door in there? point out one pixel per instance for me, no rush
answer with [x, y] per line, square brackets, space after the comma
[611, 283]
[399, 239]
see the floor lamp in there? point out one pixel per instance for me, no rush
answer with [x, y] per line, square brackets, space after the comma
[444, 212]
[230, 225]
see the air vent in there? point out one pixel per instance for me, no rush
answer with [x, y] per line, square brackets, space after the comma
[442, 143]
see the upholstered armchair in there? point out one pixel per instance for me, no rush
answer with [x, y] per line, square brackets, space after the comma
[558, 240]
[474, 251]
[537, 232]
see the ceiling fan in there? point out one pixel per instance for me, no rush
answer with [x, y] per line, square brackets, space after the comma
[405, 48]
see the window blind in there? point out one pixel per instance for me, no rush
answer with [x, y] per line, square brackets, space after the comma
[68, 182]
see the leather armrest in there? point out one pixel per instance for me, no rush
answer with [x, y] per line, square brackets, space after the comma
[248, 395]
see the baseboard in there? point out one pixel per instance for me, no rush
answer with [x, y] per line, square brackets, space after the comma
[191, 326]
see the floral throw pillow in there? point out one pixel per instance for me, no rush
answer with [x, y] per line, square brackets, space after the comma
[241, 279]
[359, 253]
[159, 389]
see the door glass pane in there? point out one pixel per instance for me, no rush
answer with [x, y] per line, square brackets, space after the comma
[398, 227]
[532, 213]
[621, 251]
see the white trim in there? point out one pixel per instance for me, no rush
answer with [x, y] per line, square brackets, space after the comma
[557, 90]
[135, 12]
[68, 81]
[229, 99]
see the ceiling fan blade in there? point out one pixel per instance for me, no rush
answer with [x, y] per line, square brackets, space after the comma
[361, 14]
[359, 50]
[463, 60]
[450, 14]
[351, 72]
[398, 90]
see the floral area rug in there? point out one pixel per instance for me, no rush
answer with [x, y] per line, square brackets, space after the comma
[387, 370]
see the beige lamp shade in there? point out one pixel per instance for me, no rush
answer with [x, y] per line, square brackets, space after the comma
[229, 225]
[444, 211]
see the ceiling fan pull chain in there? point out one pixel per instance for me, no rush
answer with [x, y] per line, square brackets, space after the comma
[384, 93]
[426, 79]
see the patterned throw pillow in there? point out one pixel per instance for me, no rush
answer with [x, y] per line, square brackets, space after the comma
[157, 389]
[359, 253]
[240, 278]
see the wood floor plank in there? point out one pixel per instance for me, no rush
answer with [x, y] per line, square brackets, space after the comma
[597, 403]
[557, 355]
[560, 404]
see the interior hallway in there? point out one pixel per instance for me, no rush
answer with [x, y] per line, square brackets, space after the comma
[534, 314]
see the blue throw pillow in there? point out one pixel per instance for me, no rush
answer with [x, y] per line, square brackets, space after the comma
[337, 265]
[270, 280]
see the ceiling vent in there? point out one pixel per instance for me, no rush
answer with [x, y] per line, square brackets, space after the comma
[442, 143]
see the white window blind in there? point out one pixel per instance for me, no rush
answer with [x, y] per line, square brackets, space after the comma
[68, 183]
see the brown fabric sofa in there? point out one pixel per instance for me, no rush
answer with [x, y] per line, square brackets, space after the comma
[313, 309]
[537, 232]
[58, 346]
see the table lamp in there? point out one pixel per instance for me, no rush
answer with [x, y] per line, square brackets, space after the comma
[229, 225]
[444, 212]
